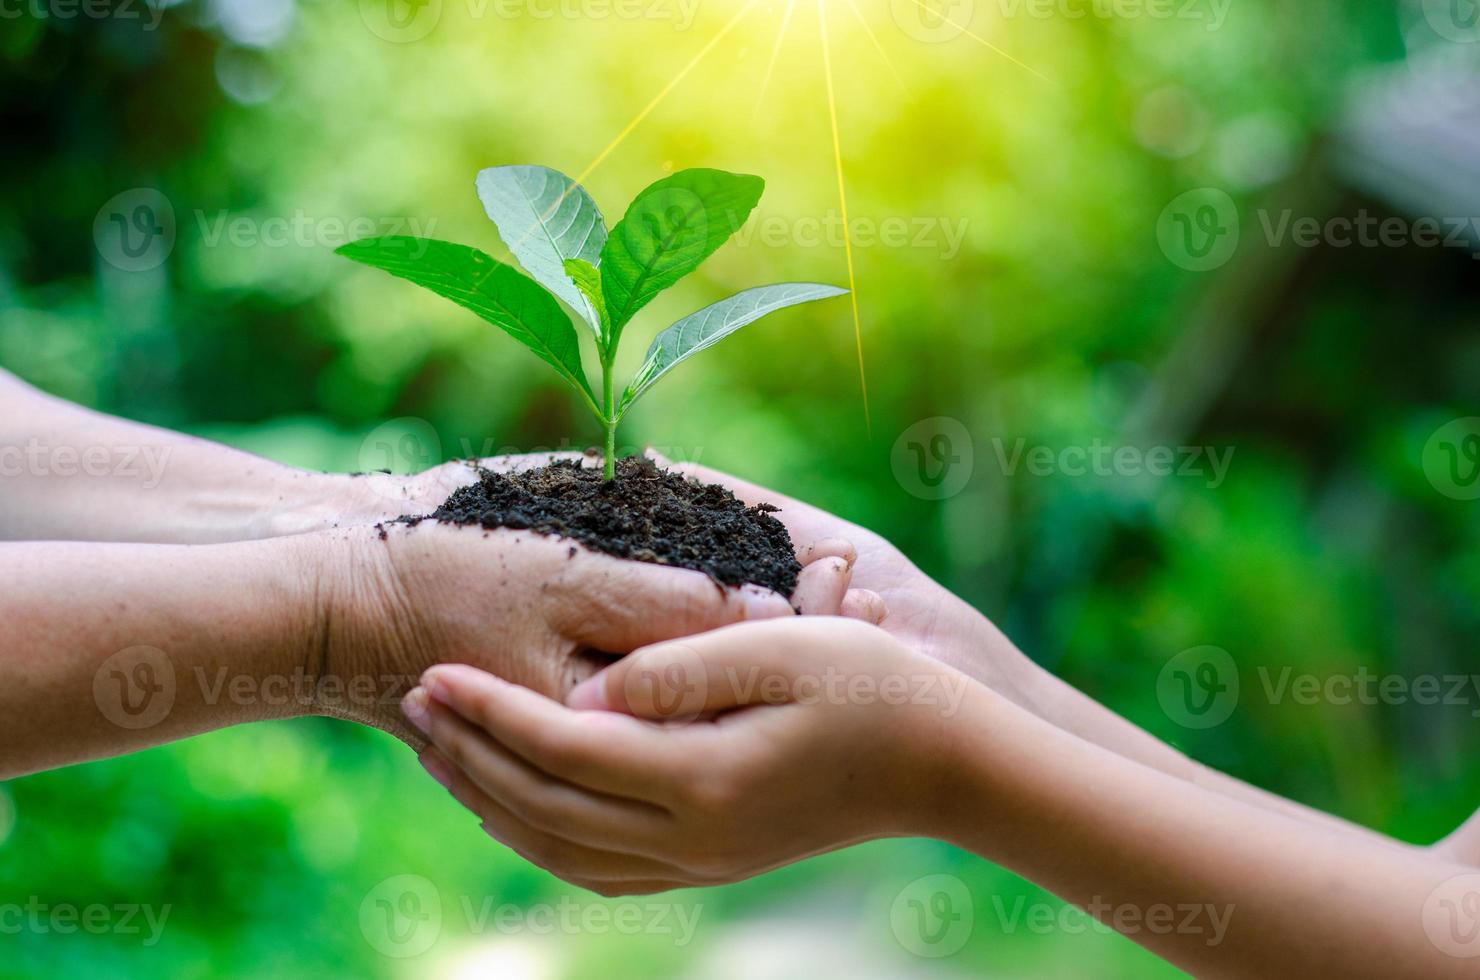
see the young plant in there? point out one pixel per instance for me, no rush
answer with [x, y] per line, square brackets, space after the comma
[555, 230]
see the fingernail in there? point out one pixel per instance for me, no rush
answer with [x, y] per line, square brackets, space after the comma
[588, 695]
[763, 603]
[414, 707]
[437, 769]
[436, 688]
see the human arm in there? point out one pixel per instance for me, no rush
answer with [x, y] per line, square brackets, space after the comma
[622, 806]
[110, 648]
[929, 619]
[68, 473]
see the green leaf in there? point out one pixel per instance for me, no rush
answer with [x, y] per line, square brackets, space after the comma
[669, 229]
[496, 292]
[588, 280]
[545, 218]
[714, 323]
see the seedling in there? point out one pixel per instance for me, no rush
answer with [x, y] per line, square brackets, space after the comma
[555, 230]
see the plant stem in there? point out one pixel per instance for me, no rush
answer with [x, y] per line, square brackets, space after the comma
[609, 420]
[610, 471]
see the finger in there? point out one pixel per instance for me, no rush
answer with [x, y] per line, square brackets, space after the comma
[828, 548]
[541, 847]
[606, 752]
[727, 668]
[866, 605]
[821, 587]
[541, 800]
[617, 606]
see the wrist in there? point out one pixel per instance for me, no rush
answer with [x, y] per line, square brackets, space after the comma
[299, 502]
[286, 581]
[965, 752]
[360, 658]
[982, 651]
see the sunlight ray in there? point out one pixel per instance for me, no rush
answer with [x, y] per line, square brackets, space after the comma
[874, 40]
[775, 53]
[982, 41]
[832, 112]
[643, 114]
[663, 93]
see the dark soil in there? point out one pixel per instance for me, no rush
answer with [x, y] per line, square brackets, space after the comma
[645, 513]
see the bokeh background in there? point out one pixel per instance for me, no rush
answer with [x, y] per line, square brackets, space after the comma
[1055, 286]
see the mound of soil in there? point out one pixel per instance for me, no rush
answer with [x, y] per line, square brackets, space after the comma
[645, 513]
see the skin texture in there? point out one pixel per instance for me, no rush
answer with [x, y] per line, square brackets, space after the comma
[930, 620]
[71, 474]
[680, 764]
[260, 591]
[337, 623]
[631, 790]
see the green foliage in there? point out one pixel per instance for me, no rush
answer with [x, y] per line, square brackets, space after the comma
[669, 229]
[1326, 548]
[714, 323]
[552, 220]
[476, 281]
[588, 280]
[556, 231]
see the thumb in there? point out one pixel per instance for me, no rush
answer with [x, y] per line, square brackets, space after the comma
[617, 606]
[680, 680]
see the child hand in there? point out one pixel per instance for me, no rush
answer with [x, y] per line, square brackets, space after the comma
[921, 614]
[740, 750]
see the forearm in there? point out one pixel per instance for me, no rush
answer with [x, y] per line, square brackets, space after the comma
[70, 474]
[1272, 895]
[996, 662]
[110, 648]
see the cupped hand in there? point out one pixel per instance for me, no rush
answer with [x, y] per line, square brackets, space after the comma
[740, 750]
[538, 610]
[378, 497]
[921, 614]
[374, 498]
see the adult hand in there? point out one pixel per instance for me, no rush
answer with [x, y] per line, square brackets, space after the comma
[315, 501]
[539, 611]
[836, 748]
[116, 647]
[826, 559]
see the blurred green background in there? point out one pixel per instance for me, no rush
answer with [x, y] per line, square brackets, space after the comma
[1039, 294]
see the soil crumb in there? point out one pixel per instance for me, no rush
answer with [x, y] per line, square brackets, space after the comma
[645, 514]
